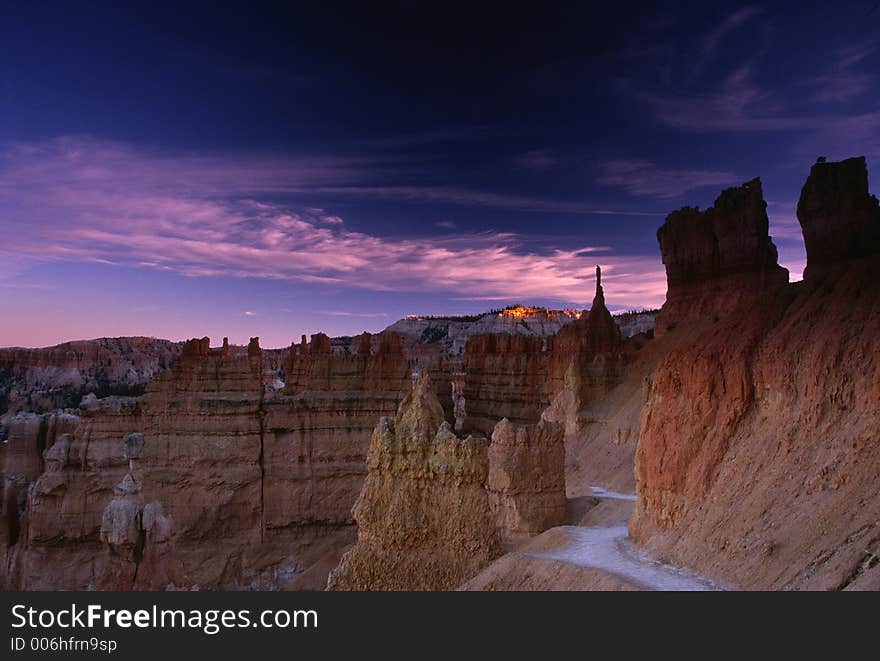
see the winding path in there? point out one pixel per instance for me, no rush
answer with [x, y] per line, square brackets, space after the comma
[609, 549]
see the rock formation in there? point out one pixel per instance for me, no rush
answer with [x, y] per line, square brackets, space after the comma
[423, 515]
[526, 480]
[21, 459]
[426, 337]
[839, 217]
[581, 342]
[717, 258]
[586, 361]
[504, 378]
[316, 433]
[758, 457]
[41, 380]
[138, 539]
[259, 484]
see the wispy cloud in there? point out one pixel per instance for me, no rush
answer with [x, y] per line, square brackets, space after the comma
[446, 224]
[469, 197]
[841, 80]
[87, 201]
[714, 38]
[248, 313]
[27, 285]
[645, 178]
[746, 91]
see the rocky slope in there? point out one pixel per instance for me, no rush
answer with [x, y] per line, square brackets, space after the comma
[452, 333]
[758, 458]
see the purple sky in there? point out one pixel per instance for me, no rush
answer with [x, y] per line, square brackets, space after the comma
[155, 180]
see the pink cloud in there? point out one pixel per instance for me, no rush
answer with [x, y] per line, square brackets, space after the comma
[90, 201]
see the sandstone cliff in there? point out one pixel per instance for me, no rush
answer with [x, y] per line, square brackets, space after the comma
[259, 485]
[504, 377]
[423, 516]
[758, 458]
[717, 258]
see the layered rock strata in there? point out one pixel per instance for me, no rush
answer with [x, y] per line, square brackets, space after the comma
[259, 484]
[41, 380]
[504, 378]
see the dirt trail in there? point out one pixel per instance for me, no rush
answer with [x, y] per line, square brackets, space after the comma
[609, 549]
[596, 555]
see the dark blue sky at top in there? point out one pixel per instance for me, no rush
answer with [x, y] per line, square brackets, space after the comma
[537, 128]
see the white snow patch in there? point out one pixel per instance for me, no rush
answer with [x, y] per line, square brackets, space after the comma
[599, 492]
[608, 548]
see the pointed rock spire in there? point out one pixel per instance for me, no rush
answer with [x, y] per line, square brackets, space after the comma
[420, 413]
[599, 299]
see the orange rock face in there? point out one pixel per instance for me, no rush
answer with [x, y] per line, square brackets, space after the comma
[526, 481]
[504, 378]
[259, 485]
[717, 258]
[423, 516]
[758, 457]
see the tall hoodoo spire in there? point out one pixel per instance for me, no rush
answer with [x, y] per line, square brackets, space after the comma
[599, 300]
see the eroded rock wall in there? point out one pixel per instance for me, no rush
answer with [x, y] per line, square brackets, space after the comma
[41, 380]
[526, 481]
[505, 377]
[758, 458]
[259, 484]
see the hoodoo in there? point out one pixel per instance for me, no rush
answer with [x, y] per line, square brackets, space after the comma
[581, 341]
[839, 217]
[423, 516]
[717, 258]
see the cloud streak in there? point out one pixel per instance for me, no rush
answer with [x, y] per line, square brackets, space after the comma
[88, 201]
[643, 178]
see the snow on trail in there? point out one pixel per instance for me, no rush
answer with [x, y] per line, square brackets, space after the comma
[608, 548]
[599, 492]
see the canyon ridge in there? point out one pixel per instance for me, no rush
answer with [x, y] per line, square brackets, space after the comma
[730, 440]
